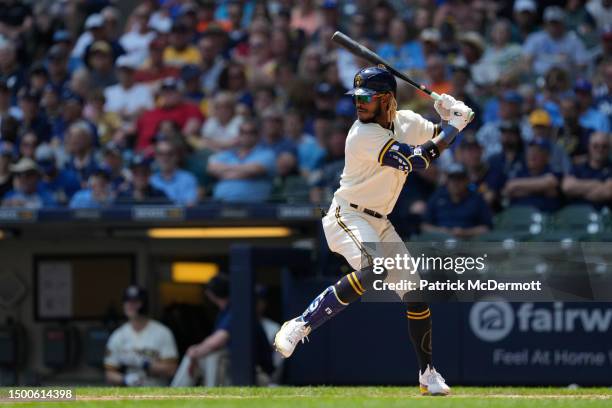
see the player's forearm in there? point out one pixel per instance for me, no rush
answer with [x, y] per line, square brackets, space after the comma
[214, 342]
[163, 368]
[545, 184]
[114, 377]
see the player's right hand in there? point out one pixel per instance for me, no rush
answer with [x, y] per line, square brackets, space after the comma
[459, 116]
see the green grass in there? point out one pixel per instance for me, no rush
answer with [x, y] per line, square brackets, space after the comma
[332, 397]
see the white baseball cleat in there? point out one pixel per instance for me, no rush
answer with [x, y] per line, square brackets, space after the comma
[432, 383]
[289, 335]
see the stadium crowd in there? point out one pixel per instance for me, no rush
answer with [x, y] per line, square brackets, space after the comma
[184, 101]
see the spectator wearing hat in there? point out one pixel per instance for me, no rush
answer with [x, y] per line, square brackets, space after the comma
[79, 145]
[220, 131]
[590, 117]
[273, 138]
[536, 184]
[32, 119]
[310, 154]
[212, 62]
[525, 13]
[60, 183]
[469, 154]
[501, 57]
[6, 176]
[94, 31]
[71, 112]
[38, 78]
[403, 54]
[554, 46]
[456, 210]
[104, 32]
[326, 179]
[26, 192]
[509, 109]
[10, 71]
[472, 47]
[101, 64]
[140, 190]
[172, 107]
[142, 351]
[59, 74]
[98, 193]
[112, 162]
[244, 173]
[179, 185]
[180, 51]
[138, 36]
[430, 42]
[210, 358]
[154, 69]
[541, 124]
[591, 182]
[16, 18]
[128, 99]
[572, 136]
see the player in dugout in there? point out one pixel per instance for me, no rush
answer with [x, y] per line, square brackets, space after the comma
[382, 147]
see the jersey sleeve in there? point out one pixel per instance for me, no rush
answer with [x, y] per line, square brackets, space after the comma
[414, 129]
[167, 346]
[366, 142]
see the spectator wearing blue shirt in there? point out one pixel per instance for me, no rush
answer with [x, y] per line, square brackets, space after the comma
[27, 193]
[179, 185]
[541, 124]
[310, 154]
[273, 138]
[537, 184]
[98, 194]
[140, 190]
[80, 147]
[591, 182]
[404, 55]
[112, 161]
[61, 183]
[590, 117]
[6, 177]
[455, 209]
[244, 173]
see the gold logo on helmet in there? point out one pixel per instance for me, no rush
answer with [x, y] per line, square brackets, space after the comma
[358, 81]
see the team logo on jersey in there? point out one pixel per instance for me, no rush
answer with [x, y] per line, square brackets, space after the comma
[358, 81]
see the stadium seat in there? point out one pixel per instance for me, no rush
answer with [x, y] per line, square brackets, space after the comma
[501, 236]
[295, 190]
[520, 219]
[579, 219]
[433, 236]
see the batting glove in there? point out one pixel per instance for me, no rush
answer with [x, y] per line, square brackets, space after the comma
[443, 106]
[460, 116]
[132, 380]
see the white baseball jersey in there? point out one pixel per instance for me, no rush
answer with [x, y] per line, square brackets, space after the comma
[154, 342]
[365, 181]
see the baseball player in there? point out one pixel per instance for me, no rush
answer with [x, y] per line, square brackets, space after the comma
[142, 352]
[382, 147]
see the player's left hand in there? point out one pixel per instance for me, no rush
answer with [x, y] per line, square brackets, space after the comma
[443, 106]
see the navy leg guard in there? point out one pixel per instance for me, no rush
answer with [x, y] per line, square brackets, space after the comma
[323, 307]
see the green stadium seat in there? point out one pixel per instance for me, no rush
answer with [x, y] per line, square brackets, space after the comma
[296, 190]
[501, 236]
[433, 237]
[520, 219]
[579, 219]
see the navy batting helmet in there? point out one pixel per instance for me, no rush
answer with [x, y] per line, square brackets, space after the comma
[373, 80]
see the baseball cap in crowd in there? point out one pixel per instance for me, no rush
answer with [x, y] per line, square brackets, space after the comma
[525, 5]
[134, 292]
[461, 66]
[61, 36]
[583, 85]
[169, 83]
[95, 20]
[456, 170]
[38, 68]
[512, 96]
[541, 143]
[161, 25]
[126, 61]
[24, 165]
[540, 117]
[28, 94]
[190, 72]
[103, 171]
[140, 161]
[57, 52]
[430, 34]
[45, 157]
[112, 148]
[70, 96]
[101, 46]
[329, 4]
[272, 113]
[554, 13]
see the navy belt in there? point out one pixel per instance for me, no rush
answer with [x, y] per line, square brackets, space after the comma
[368, 211]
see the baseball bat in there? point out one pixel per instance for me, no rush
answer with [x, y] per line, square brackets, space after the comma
[370, 56]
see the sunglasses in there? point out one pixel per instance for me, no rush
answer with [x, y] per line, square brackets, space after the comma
[363, 98]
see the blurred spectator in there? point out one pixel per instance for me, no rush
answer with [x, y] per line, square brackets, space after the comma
[572, 136]
[554, 46]
[310, 154]
[112, 162]
[501, 57]
[155, 68]
[94, 31]
[105, 33]
[6, 176]
[171, 107]
[140, 190]
[98, 193]
[9, 129]
[26, 192]
[591, 182]
[10, 72]
[192, 87]
[603, 92]
[535, 185]
[59, 75]
[38, 78]
[472, 48]
[430, 40]
[273, 138]
[525, 13]
[135, 41]
[601, 11]
[27, 145]
[16, 19]
[6, 109]
[80, 150]
[141, 352]
[244, 173]
[541, 124]
[210, 358]
[180, 51]
[305, 16]
[469, 154]
[489, 135]
[402, 54]
[220, 131]
[127, 98]
[32, 118]
[100, 62]
[456, 210]
[179, 185]
[212, 63]
[437, 78]
[60, 183]
[326, 180]
[590, 117]
[109, 125]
